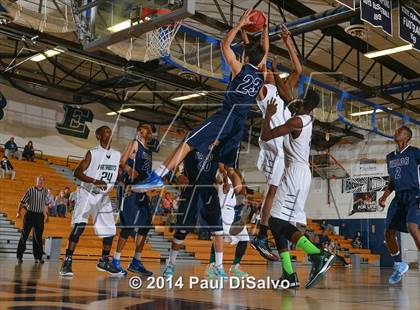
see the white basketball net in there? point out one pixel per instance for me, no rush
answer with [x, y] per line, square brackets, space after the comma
[158, 41]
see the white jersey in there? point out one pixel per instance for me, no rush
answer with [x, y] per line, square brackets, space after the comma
[228, 199]
[103, 166]
[278, 119]
[297, 150]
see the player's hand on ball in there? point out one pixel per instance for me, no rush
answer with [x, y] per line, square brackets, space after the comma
[272, 107]
[101, 184]
[265, 20]
[285, 33]
[246, 18]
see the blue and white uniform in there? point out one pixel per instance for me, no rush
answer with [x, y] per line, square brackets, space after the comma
[227, 124]
[403, 169]
[199, 200]
[135, 210]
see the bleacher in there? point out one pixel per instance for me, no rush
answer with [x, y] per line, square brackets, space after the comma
[11, 192]
[90, 246]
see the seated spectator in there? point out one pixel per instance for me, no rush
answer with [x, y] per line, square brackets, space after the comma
[332, 247]
[357, 240]
[6, 168]
[28, 151]
[61, 204]
[72, 199]
[167, 203]
[323, 239]
[11, 149]
[52, 209]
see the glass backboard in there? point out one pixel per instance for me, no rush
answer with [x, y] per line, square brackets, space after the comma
[111, 22]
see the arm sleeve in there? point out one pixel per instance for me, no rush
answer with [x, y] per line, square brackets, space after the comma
[25, 198]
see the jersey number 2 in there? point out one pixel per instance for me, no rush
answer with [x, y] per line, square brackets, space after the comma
[397, 173]
[106, 177]
[249, 86]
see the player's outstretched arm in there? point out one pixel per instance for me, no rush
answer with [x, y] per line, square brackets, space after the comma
[284, 90]
[227, 51]
[83, 165]
[294, 123]
[126, 153]
[265, 41]
[293, 79]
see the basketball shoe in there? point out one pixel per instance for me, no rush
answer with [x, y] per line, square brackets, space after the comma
[116, 263]
[66, 270]
[105, 265]
[262, 246]
[321, 263]
[137, 267]
[291, 278]
[169, 271]
[234, 271]
[153, 181]
[399, 269]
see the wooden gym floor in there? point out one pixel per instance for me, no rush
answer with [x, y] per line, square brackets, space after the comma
[30, 286]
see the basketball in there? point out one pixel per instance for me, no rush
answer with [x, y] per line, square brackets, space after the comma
[258, 19]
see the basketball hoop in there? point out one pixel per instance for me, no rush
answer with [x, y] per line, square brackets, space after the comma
[158, 41]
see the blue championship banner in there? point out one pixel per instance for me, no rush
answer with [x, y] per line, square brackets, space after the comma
[409, 25]
[377, 13]
[348, 3]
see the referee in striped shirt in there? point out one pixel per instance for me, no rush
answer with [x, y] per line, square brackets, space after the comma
[35, 201]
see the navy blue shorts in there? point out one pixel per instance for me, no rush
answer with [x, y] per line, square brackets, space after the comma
[228, 150]
[221, 126]
[136, 213]
[404, 208]
[199, 206]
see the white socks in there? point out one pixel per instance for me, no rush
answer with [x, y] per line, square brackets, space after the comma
[117, 255]
[137, 255]
[219, 259]
[162, 171]
[172, 257]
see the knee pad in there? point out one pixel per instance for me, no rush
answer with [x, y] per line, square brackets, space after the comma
[180, 235]
[76, 232]
[126, 232]
[107, 240]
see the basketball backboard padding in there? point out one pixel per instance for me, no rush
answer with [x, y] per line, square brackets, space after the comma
[187, 10]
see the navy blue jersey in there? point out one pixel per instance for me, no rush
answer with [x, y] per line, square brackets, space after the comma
[142, 163]
[199, 170]
[403, 168]
[242, 90]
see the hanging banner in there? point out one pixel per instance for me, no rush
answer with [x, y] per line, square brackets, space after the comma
[348, 3]
[377, 13]
[409, 25]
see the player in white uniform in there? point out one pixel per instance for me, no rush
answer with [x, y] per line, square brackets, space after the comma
[289, 202]
[271, 157]
[227, 200]
[98, 172]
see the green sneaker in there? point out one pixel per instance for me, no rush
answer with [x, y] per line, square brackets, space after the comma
[210, 271]
[234, 271]
[320, 264]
